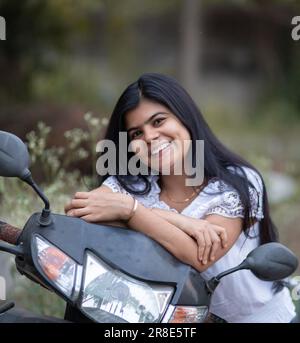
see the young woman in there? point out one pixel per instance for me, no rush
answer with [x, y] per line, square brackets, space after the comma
[212, 225]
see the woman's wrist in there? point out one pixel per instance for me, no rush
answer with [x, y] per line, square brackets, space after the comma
[127, 207]
[179, 220]
[183, 224]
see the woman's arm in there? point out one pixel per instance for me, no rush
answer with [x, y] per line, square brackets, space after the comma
[178, 242]
[209, 237]
[114, 207]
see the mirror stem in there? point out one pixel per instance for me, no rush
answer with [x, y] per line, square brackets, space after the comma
[229, 271]
[213, 282]
[39, 192]
[45, 218]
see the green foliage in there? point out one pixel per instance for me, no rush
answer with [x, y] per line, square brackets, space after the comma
[37, 33]
[93, 125]
[282, 99]
[18, 202]
[53, 162]
[71, 81]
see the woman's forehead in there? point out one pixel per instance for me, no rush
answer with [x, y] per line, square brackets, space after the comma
[144, 111]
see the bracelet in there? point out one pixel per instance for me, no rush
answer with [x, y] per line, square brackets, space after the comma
[135, 205]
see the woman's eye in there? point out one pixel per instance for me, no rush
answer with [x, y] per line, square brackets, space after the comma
[135, 134]
[158, 121]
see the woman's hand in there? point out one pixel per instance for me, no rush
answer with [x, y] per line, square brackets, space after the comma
[209, 237]
[97, 206]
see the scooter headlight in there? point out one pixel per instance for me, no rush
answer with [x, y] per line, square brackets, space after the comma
[56, 265]
[111, 296]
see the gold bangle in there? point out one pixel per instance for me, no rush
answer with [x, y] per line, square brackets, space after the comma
[133, 210]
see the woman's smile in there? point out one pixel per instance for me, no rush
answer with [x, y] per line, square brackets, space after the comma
[163, 133]
[159, 149]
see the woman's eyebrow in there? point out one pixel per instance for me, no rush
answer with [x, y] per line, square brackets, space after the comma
[147, 121]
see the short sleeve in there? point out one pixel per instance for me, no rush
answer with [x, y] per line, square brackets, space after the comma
[150, 200]
[229, 204]
[114, 185]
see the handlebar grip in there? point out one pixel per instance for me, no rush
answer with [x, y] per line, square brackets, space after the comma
[9, 233]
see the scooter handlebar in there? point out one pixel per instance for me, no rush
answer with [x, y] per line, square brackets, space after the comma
[9, 233]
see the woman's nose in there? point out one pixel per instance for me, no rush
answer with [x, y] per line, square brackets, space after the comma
[150, 134]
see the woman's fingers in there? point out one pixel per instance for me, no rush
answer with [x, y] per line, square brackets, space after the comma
[87, 218]
[216, 242]
[82, 195]
[68, 206]
[210, 238]
[78, 212]
[91, 218]
[201, 244]
[79, 203]
[208, 245]
[75, 203]
[222, 234]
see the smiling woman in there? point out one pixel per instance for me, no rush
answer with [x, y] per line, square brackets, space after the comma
[156, 127]
[153, 157]
[212, 225]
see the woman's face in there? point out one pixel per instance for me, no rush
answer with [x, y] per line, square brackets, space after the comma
[157, 136]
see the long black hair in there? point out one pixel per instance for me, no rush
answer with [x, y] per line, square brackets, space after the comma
[217, 158]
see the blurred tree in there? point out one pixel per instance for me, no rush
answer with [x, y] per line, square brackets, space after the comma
[46, 57]
[127, 24]
[190, 40]
[37, 32]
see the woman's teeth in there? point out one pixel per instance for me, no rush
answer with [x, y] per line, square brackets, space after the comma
[160, 148]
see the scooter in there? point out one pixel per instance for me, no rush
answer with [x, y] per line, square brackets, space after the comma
[109, 274]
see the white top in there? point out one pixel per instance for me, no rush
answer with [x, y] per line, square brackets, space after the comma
[240, 297]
